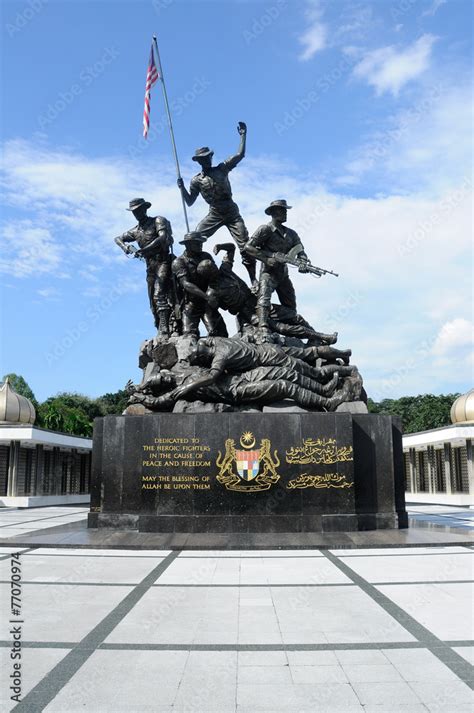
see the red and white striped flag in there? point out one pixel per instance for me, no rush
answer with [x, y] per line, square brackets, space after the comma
[152, 77]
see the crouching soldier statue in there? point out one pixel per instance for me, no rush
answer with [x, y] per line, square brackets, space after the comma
[192, 271]
[154, 238]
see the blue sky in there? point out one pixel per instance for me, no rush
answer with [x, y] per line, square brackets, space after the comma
[359, 113]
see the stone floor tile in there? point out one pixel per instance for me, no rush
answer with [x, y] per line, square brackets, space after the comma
[36, 664]
[318, 674]
[370, 657]
[264, 674]
[325, 696]
[428, 604]
[262, 658]
[53, 613]
[84, 569]
[466, 652]
[442, 694]
[207, 694]
[117, 680]
[379, 693]
[366, 673]
[312, 658]
[396, 708]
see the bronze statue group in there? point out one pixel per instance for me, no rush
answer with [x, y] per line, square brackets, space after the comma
[267, 361]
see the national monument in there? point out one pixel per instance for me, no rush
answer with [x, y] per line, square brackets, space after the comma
[264, 430]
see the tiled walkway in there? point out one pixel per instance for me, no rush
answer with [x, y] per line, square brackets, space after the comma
[374, 630]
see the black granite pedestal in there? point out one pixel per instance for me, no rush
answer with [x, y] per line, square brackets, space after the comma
[247, 472]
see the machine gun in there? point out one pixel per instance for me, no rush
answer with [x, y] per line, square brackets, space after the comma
[291, 258]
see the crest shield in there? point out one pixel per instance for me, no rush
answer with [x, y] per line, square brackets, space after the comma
[247, 464]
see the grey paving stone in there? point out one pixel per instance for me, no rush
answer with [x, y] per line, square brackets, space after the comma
[379, 693]
[318, 674]
[312, 658]
[115, 680]
[442, 694]
[361, 657]
[264, 674]
[263, 658]
[335, 696]
[206, 694]
[466, 652]
[36, 663]
[53, 614]
[396, 708]
[366, 673]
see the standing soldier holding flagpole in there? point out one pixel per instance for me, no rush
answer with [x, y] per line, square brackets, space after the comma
[153, 234]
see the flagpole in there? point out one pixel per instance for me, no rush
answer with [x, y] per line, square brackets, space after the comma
[170, 124]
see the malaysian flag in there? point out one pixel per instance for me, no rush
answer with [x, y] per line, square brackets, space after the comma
[151, 79]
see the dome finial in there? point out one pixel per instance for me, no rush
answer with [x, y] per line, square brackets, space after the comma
[462, 410]
[15, 408]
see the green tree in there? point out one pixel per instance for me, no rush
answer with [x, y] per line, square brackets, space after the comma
[114, 403]
[69, 413]
[21, 387]
[418, 413]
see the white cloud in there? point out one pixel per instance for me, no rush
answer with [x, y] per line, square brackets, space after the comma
[433, 9]
[314, 37]
[29, 250]
[48, 293]
[388, 69]
[424, 147]
[452, 336]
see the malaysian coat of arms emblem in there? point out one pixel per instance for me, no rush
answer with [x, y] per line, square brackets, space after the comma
[249, 469]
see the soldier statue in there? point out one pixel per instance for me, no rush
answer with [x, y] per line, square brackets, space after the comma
[191, 270]
[214, 186]
[235, 297]
[275, 237]
[154, 238]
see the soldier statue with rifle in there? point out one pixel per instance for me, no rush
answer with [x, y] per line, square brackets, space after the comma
[154, 238]
[277, 246]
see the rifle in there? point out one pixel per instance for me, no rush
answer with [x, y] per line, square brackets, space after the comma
[291, 259]
[129, 250]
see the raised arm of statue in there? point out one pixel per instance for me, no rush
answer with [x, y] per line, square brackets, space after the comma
[232, 161]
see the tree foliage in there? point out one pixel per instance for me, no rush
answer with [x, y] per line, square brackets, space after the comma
[418, 413]
[21, 387]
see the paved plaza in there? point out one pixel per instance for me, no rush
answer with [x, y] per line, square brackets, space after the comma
[374, 630]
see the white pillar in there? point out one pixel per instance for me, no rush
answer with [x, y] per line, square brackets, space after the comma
[470, 466]
[447, 468]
